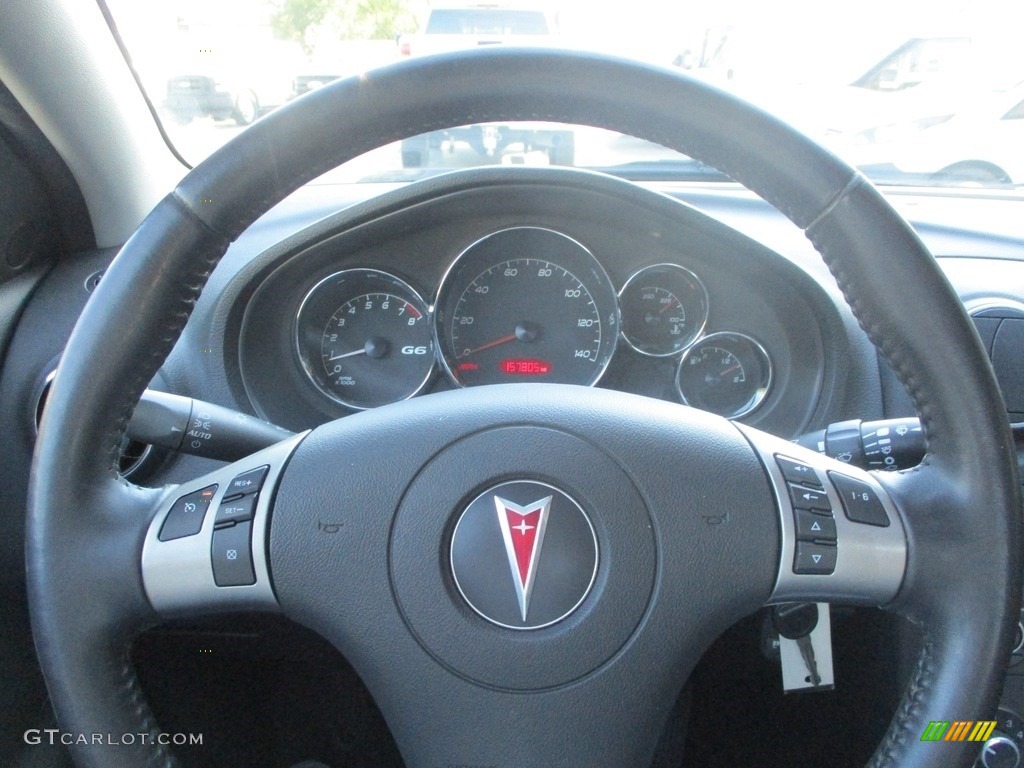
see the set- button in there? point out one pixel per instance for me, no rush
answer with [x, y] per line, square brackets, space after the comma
[236, 511]
[816, 549]
[231, 550]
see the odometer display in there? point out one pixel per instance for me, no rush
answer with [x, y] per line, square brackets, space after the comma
[525, 367]
[526, 304]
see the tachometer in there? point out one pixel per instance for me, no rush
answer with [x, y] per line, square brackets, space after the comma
[363, 338]
[526, 304]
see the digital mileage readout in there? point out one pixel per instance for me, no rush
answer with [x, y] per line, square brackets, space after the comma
[524, 366]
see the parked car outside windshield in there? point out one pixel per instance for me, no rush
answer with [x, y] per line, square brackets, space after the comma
[842, 77]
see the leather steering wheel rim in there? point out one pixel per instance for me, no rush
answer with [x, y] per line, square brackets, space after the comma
[962, 503]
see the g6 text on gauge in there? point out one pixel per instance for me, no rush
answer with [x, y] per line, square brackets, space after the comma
[363, 338]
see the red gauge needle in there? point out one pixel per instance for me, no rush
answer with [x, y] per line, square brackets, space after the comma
[503, 340]
[730, 369]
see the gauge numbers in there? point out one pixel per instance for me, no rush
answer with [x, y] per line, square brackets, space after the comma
[523, 341]
[724, 373]
[364, 339]
[664, 308]
[526, 304]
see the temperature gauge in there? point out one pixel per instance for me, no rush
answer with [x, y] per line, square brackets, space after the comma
[364, 339]
[664, 309]
[724, 373]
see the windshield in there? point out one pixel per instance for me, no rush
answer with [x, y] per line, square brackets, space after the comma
[911, 92]
[485, 21]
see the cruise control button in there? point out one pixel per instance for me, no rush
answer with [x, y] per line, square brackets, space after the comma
[860, 502]
[247, 482]
[232, 556]
[812, 527]
[236, 511]
[817, 559]
[796, 472]
[808, 498]
[187, 515]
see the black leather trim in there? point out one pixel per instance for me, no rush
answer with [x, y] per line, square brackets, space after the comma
[962, 579]
[85, 526]
[963, 573]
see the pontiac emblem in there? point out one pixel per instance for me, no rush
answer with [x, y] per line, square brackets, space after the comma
[547, 542]
[522, 528]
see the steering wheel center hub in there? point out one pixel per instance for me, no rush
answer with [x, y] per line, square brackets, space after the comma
[458, 569]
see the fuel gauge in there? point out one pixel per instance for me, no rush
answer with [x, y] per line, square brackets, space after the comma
[664, 308]
[724, 373]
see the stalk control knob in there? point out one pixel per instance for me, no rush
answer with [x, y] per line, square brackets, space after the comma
[1000, 752]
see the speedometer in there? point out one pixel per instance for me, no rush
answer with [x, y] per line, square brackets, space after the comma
[526, 304]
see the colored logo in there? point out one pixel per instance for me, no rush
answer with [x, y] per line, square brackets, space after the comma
[959, 730]
[522, 528]
[524, 555]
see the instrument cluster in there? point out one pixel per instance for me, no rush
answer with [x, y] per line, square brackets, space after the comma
[523, 303]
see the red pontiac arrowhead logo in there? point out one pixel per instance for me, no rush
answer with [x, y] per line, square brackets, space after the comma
[522, 528]
[479, 548]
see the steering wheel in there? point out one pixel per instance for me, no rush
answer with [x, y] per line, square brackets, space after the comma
[632, 583]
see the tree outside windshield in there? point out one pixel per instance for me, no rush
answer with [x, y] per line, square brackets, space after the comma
[911, 92]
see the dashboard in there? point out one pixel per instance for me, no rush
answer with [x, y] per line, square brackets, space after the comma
[727, 267]
[752, 290]
[496, 277]
[760, 278]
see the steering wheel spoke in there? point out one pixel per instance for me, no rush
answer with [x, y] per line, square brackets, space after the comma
[843, 539]
[206, 548]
